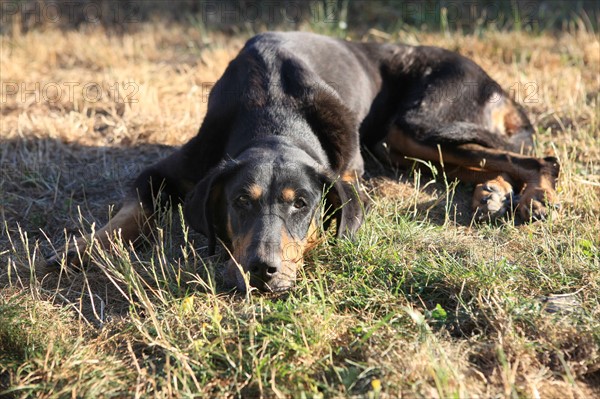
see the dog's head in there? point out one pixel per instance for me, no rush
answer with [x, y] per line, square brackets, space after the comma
[266, 209]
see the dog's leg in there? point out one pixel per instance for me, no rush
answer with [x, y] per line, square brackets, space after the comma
[129, 223]
[537, 175]
[168, 181]
[494, 193]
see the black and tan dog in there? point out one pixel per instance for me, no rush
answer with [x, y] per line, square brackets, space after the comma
[284, 130]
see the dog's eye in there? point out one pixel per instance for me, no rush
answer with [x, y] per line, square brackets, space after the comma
[299, 203]
[243, 201]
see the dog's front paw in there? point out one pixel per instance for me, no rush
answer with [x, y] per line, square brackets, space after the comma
[537, 203]
[73, 256]
[56, 260]
[491, 200]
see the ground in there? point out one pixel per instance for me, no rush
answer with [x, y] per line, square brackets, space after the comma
[425, 303]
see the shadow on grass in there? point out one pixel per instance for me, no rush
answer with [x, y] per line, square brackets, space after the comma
[52, 191]
[439, 202]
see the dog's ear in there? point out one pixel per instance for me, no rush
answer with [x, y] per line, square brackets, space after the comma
[205, 208]
[345, 203]
[335, 126]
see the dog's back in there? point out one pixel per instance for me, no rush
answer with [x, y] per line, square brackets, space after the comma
[417, 88]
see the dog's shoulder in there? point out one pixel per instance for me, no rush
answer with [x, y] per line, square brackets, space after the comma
[283, 74]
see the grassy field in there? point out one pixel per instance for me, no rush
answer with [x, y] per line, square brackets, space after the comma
[424, 304]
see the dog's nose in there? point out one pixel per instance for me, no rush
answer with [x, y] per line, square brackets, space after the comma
[262, 269]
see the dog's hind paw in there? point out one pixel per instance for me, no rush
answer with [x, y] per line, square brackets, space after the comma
[492, 201]
[537, 204]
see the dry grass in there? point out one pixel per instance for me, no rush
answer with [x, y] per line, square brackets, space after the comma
[365, 317]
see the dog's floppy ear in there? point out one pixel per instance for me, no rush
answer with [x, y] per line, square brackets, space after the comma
[335, 126]
[205, 207]
[346, 204]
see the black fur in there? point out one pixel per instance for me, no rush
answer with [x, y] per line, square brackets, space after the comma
[301, 105]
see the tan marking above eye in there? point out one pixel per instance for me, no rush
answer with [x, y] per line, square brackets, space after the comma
[288, 194]
[255, 191]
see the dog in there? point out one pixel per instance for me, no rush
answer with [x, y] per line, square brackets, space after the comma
[280, 148]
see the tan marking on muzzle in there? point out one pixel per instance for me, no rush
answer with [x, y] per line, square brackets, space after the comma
[312, 236]
[229, 228]
[292, 255]
[232, 276]
[240, 247]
